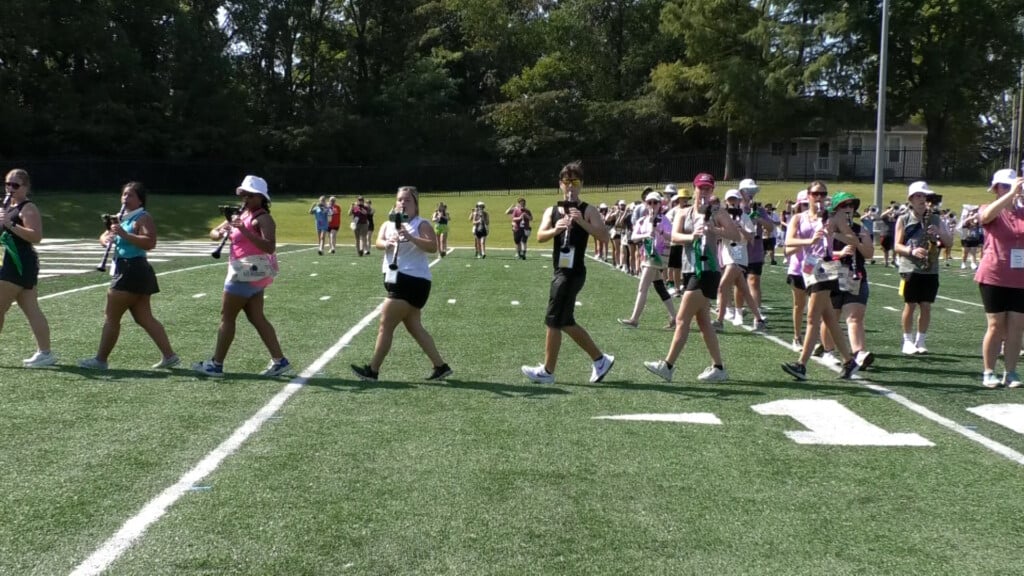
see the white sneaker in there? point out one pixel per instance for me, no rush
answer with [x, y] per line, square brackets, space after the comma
[659, 368]
[921, 349]
[963, 266]
[208, 368]
[39, 359]
[865, 359]
[830, 358]
[601, 368]
[796, 344]
[737, 317]
[538, 374]
[729, 312]
[93, 363]
[712, 374]
[974, 265]
[909, 348]
[169, 362]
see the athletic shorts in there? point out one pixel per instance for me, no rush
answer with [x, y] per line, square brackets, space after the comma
[999, 299]
[480, 233]
[565, 286]
[134, 275]
[519, 236]
[886, 242]
[796, 281]
[768, 244]
[440, 229]
[755, 268]
[29, 276]
[840, 298]
[411, 289]
[970, 243]
[332, 228]
[827, 286]
[675, 257]
[242, 289]
[321, 229]
[919, 288]
[707, 283]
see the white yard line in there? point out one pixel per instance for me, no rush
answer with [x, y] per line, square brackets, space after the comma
[939, 297]
[136, 526]
[998, 448]
[189, 269]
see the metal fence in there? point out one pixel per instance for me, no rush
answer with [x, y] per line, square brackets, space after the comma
[91, 174]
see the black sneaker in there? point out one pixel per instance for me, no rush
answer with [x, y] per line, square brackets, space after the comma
[440, 372]
[796, 370]
[365, 373]
[849, 369]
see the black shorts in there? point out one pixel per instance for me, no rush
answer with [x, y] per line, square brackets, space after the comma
[796, 281]
[565, 286]
[675, 257]
[519, 236]
[768, 243]
[919, 288]
[826, 286]
[480, 233]
[999, 299]
[970, 243]
[134, 275]
[755, 268]
[29, 276]
[707, 283]
[886, 242]
[840, 298]
[411, 289]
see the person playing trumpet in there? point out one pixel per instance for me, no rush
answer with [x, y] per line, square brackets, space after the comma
[133, 280]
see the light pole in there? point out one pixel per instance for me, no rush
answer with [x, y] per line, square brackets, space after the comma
[883, 69]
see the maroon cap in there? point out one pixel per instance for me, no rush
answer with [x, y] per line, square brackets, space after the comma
[703, 179]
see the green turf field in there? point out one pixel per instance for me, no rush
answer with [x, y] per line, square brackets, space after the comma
[488, 473]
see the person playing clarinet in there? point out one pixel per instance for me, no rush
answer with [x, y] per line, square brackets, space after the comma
[406, 239]
[133, 281]
[19, 275]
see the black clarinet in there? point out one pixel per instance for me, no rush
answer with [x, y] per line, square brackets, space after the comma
[110, 242]
[397, 218]
[229, 213]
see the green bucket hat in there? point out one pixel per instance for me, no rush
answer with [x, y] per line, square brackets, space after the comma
[841, 198]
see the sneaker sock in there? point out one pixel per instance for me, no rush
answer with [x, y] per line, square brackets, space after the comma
[668, 365]
[908, 337]
[720, 366]
[919, 341]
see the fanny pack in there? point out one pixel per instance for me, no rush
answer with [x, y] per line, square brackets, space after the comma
[252, 268]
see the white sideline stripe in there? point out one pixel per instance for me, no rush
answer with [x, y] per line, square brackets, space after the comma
[998, 448]
[136, 526]
[189, 269]
[954, 311]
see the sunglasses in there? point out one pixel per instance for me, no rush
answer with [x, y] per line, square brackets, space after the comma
[653, 202]
[818, 194]
[12, 185]
[571, 181]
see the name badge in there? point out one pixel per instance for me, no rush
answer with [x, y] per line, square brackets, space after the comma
[736, 251]
[810, 261]
[566, 257]
[391, 277]
[1017, 258]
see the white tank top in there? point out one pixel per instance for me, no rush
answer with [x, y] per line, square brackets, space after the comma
[411, 260]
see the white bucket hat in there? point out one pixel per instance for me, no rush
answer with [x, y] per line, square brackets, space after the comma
[253, 185]
[1005, 176]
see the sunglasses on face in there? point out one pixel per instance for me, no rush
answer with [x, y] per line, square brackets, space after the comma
[12, 185]
[571, 181]
[653, 203]
[819, 194]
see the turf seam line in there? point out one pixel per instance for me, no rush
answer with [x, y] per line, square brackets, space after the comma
[994, 446]
[152, 511]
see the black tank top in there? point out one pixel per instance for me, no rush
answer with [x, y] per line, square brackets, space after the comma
[21, 244]
[578, 239]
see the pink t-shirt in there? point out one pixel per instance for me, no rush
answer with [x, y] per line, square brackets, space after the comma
[1003, 234]
[242, 247]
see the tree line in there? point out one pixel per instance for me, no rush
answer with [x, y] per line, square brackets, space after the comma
[365, 82]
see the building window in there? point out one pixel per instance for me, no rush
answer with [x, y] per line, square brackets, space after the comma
[776, 148]
[894, 144]
[856, 145]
